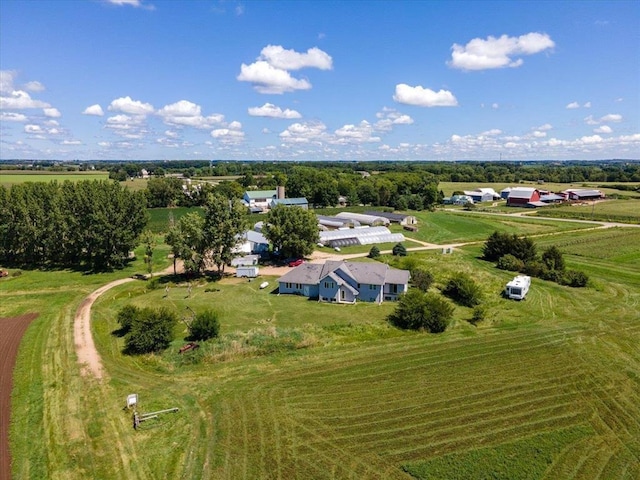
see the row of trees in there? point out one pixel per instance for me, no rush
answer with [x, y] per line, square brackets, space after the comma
[92, 224]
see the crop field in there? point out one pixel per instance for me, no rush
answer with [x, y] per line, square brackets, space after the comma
[445, 227]
[625, 211]
[544, 388]
[11, 177]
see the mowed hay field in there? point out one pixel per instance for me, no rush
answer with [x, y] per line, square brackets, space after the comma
[545, 388]
[12, 177]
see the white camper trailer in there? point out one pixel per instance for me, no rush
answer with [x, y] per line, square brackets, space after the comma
[518, 287]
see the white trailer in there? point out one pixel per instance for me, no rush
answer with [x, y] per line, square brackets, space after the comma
[250, 271]
[518, 287]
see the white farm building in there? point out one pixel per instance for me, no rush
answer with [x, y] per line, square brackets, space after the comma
[359, 236]
[364, 219]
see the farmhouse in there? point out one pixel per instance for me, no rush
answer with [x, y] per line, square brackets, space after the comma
[482, 194]
[345, 282]
[252, 242]
[359, 236]
[457, 200]
[522, 196]
[400, 218]
[258, 200]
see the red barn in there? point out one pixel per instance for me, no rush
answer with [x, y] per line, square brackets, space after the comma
[521, 196]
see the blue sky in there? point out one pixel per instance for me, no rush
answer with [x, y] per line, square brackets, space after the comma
[321, 80]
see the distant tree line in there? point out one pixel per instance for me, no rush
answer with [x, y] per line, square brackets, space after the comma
[90, 224]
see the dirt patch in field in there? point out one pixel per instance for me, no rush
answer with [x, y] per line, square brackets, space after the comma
[12, 330]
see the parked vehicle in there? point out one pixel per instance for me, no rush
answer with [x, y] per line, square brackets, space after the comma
[296, 263]
[518, 287]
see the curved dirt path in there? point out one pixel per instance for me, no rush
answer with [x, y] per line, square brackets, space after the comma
[88, 356]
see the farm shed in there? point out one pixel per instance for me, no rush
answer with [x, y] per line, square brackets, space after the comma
[345, 282]
[583, 194]
[290, 202]
[400, 218]
[249, 271]
[551, 198]
[245, 261]
[521, 196]
[504, 193]
[359, 236]
[336, 222]
[364, 219]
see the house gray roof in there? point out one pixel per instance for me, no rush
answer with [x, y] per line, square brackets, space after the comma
[255, 237]
[361, 272]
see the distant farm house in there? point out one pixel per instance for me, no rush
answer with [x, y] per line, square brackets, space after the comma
[345, 282]
[482, 195]
[260, 201]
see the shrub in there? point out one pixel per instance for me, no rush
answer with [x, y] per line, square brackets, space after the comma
[499, 244]
[575, 278]
[417, 311]
[535, 268]
[127, 316]
[151, 331]
[205, 326]
[399, 250]
[552, 258]
[479, 313]
[374, 252]
[510, 263]
[421, 279]
[463, 289]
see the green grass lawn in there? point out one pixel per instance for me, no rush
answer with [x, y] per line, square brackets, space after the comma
[625, 211]
[544, 388]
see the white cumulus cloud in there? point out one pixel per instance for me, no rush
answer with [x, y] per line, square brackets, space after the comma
[270, 73]
[307, 132]
[30, 128]
[19, 99]
[572, 106]
[52, 112]
[132, 107]
[603, 129]
[12, 117]
[272, 111]
[94, 110]
[34, 86]
[612, 117]
[268, 79]
[492, 52]
[424, 97]
[279, 57]
[131, 3]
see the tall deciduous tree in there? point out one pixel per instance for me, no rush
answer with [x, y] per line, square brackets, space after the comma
[225, 221]
[292, 231]
[186, 239]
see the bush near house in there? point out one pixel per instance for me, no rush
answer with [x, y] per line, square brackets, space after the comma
[206, 325]
[419, 311]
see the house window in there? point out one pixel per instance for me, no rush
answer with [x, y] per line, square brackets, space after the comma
[298, 286]
[341, 294]
[372, 287]
[394, 288]
[328, 284]
[288, 285]
[358, 286]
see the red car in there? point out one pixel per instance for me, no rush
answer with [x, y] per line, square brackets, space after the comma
[295, 263]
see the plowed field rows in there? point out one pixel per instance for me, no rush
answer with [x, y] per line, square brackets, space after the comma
[12, 330]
